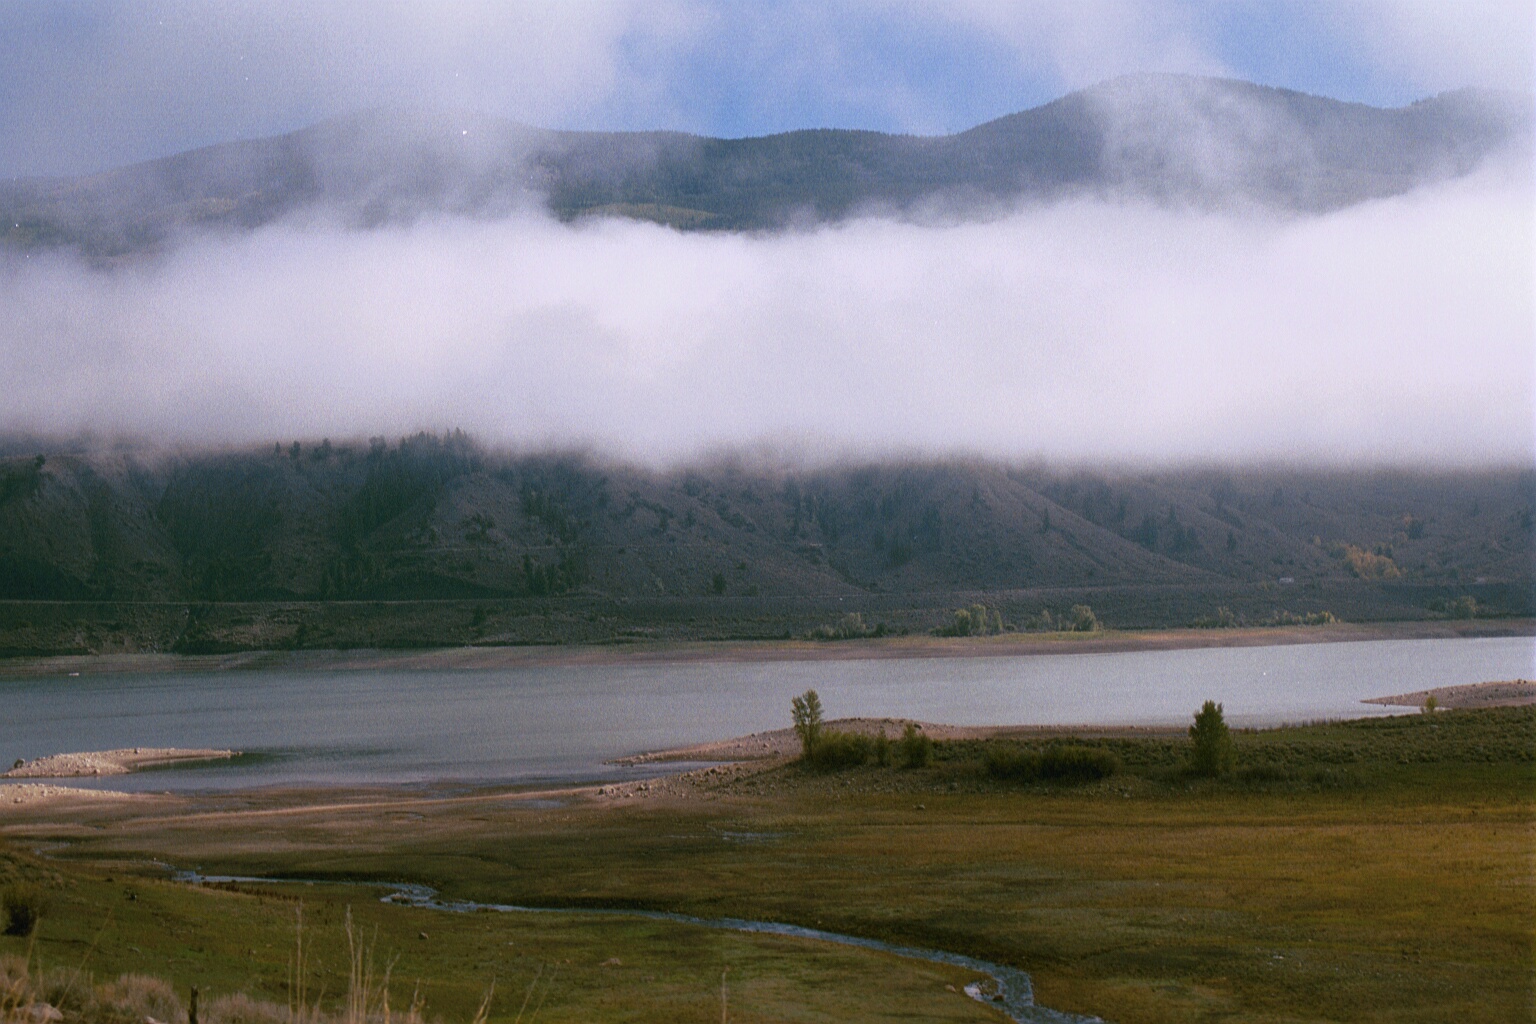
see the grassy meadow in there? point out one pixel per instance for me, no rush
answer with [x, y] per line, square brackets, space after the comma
[1375, 870]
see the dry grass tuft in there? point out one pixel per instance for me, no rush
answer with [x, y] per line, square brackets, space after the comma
[242, 1009]
[132, 998]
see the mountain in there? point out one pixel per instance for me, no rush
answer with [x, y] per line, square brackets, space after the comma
[1173, 139]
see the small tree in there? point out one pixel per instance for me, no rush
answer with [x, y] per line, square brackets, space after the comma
[1211, 750]
[1083, 619]
[807, 713]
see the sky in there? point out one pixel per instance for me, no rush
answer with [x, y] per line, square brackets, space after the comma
[1399, 331]
[90, 84]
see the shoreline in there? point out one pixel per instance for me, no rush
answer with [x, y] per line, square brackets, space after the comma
[713, 762]
[96, 763]
[1007, 645]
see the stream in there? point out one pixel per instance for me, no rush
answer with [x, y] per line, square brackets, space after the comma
[1011, 990]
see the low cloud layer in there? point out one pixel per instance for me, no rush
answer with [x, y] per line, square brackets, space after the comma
[1398, 332]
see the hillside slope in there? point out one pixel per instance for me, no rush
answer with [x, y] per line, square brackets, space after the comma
[438, 517]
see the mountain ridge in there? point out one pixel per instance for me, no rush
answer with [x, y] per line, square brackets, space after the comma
[1179, 140]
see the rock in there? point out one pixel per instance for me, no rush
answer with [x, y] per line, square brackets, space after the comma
[612, 961]
[421, 935]
[43, 1013]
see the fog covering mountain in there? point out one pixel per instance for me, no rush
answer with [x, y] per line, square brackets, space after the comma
[1179, 140]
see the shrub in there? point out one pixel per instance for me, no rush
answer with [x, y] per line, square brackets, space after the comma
[840, 750]
[1012, 763]
[1263, 773]
[1078, 763]
[882, 748]
[1061, 762]
[1083, 620]
[24, 905]
[1211, 742]
[916, 748]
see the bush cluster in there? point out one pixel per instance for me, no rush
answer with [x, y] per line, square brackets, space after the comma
[24, 904]
[977, 620]
[836, 749]
[1057, 763]
[850, 627]
[1283, 617]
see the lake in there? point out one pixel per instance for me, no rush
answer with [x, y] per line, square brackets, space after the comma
[560, 722]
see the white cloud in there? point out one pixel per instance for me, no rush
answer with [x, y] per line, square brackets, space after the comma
[1446, 45]
[1398, 331]
[150, 79]
[1084, 43]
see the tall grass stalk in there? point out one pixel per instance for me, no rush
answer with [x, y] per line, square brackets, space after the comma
[547, 986]
[529, 994]
[484, 1012]
[362, 992]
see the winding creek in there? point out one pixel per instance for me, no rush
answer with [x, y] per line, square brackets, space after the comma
[1011, 991]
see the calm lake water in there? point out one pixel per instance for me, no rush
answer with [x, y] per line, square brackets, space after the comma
[560, 722]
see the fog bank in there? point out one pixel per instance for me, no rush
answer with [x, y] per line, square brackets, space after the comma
[1399, 331]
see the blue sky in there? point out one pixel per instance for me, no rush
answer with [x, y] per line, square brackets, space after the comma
[88, 84]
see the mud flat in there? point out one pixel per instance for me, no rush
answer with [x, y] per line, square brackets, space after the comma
[109, 762]
[1506, 694]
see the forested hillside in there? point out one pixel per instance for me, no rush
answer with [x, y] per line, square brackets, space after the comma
[440, 517]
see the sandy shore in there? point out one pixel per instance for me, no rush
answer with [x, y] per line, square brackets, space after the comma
[108, 762]
[1511, 693]
[1004, 646]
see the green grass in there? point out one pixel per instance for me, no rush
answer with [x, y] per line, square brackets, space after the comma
[1372, 871]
